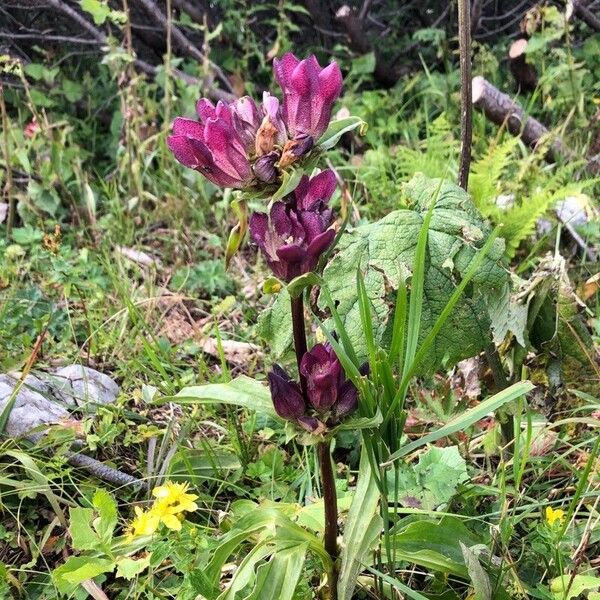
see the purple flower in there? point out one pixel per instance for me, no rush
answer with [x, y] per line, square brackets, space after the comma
[327, 386]
[309, 93]
[330, 396]
[297, 231]
[285, 394]
[228, 140]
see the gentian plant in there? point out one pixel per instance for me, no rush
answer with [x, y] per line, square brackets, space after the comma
[264, 151]
[269, 153]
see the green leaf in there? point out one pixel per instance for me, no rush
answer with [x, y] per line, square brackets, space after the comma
[270, 521]
[479, 578]
[297, 286]
[279, 577]
[77, 569]
[363, 65]
[384, 251]
[362, 529]
[433, 481]
[275, 325]
[200, 464]
[289, 182]
[72, 90]
[356, 423]
[337, 129]
[106, 522]
[128, 568]
[580, 584]
[243, 391]
[467, 418]
[26, 236]
[97, 9]
[80, 527]
[435, 545]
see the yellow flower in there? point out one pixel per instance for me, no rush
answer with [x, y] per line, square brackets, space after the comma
[144, 523]
[553, 515]
[167, 514]
[175, 496]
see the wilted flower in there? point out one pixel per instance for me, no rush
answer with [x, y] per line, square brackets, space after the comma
[309, 93]
[327, 386]
[297, 231]
[227, 138]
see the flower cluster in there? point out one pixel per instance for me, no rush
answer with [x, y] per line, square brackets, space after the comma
[331, 396]
[297, 230]
[169, 508]
[240, 144]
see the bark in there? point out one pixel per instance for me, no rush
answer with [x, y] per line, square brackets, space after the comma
[585, 14]
[354, 27]
[524, 73]
[500, 108]
[466, 109]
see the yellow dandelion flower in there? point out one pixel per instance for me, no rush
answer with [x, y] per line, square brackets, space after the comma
[144, 523]
[175, 495]
[553, 515]
[169, 515]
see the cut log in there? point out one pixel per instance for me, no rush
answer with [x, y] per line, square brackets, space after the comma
[500, 108]
[524, 73]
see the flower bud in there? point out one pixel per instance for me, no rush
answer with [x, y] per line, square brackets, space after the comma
[285, 394]
[264, 167]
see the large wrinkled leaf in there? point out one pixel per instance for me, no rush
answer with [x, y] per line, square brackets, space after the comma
[433, 481]
[384, 251]
[275, 325]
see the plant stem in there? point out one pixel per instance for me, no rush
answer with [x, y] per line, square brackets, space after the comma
[466, 108]
[331, 514]
[323, 452]
[7, 191]
[299, 337]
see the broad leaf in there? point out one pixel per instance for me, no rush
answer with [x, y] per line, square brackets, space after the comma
[384, 252]
[77, 569]
[435, 545]
[580, 584]
[279, 577]
[128, 568]
[243, 391]
[275, 324]
[83, 535]
[432, 482]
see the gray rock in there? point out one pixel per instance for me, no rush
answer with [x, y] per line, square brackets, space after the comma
[34, 406]
[81, 386]
[46, 398]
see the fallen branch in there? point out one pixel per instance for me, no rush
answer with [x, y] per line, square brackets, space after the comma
[184, 44]
[501, 109]
[142, 65]
[578, 8]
